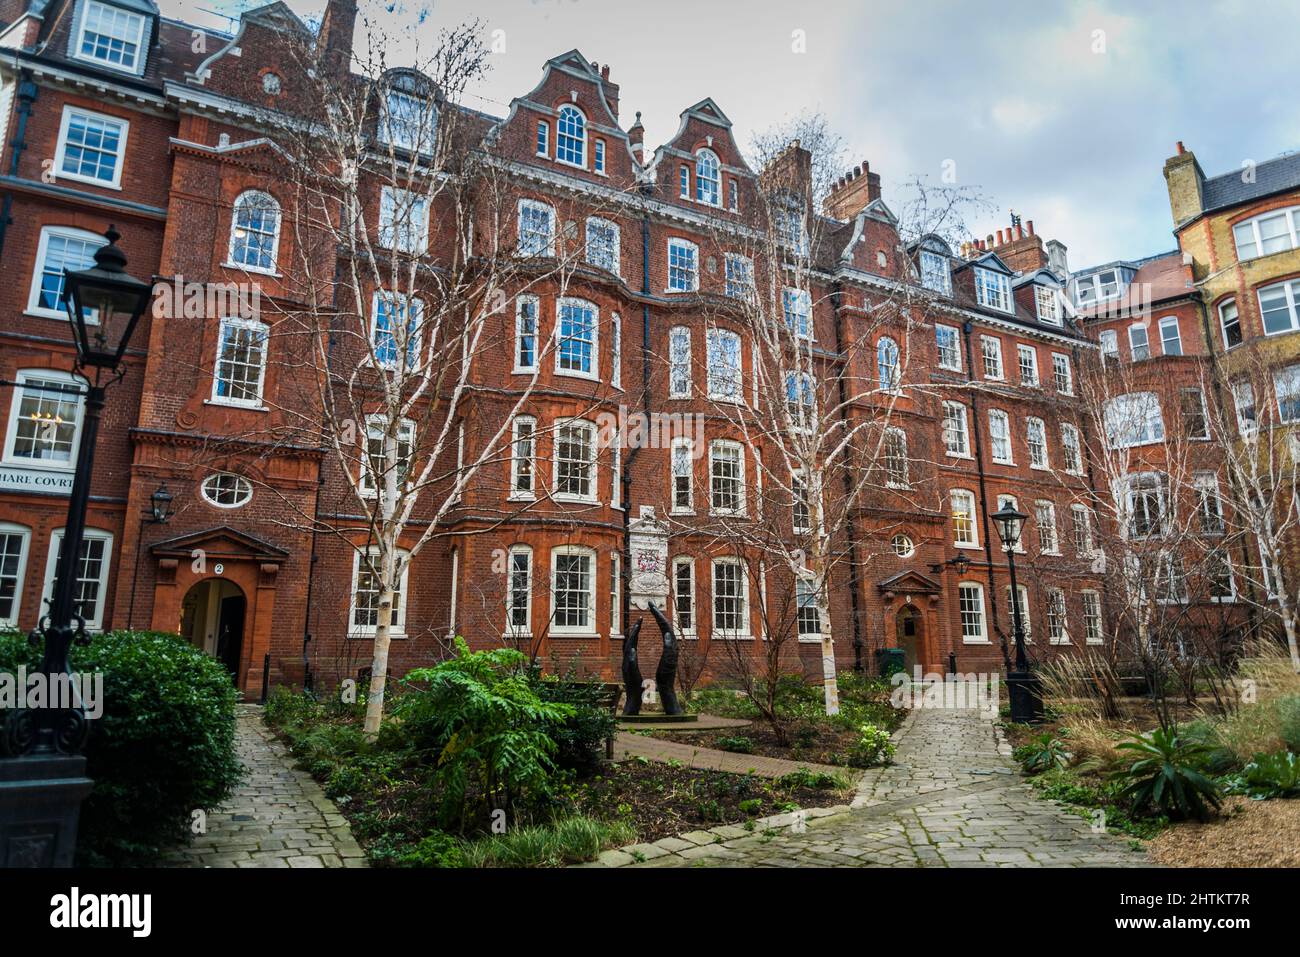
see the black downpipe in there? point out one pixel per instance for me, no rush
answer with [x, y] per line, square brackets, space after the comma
[854, 598]
[26, 97]
[625, 572]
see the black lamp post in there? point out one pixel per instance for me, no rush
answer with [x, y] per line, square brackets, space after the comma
[42, 788]
[1023, 686]
[160, 511]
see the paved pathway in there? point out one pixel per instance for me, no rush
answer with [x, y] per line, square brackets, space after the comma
[278, 816]
[693, 756]
[953, 798]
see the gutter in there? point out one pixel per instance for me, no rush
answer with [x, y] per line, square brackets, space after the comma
[26, 95]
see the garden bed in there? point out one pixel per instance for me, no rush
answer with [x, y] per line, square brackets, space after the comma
[808, 742]
[1248, 834]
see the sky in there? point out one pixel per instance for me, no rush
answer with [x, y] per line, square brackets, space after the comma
[1061, 110]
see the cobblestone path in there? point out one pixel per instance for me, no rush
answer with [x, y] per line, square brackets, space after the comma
[278, 816]
[952, 798]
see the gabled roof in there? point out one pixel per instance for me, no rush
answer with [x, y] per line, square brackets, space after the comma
[1277, 175]
[909, 581]
[990, 260]
[221, 541]
[708, 111]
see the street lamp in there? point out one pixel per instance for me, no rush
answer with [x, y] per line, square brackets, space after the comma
[160, 511]
[42, 788]
[1023, 686]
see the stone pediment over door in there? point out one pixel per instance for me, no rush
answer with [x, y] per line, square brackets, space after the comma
[222, 543]
[908, 583]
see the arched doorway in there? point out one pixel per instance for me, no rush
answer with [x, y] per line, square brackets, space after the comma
[212, 620]
[907, 635]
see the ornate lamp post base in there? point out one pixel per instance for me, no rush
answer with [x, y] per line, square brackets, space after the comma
[40, 802]
[1025, 689]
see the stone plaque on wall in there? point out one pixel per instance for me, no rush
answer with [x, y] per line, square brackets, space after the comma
[648, 544]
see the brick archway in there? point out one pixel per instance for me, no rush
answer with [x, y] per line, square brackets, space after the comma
[915, 591]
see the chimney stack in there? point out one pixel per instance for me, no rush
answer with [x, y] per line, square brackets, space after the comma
[334, 41]
[853, 192]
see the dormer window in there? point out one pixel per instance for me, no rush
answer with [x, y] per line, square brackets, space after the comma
[1107, 284]
[992, 289]
[935, 274]
[708, 187]
[408, 122]
[112, 37]
[1049, 306]
[571, 137]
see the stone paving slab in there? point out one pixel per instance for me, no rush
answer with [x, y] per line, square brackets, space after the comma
[277, 817]
[690, 755]
[953, 798]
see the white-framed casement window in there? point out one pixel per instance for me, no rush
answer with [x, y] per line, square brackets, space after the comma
[45, 416]
[1134, 419]
[1196, 419]
[991, 349]
[575, 461]
[730, 598]
[993, 290]
[110, 36]
[1108, 339]
[895, 456]
[888, 367]
[903, 546]
[1058, 630]
[1230, 324]
[808, 614]
[1048, 302]
[956, 437]
[91, 148]
[60, 248]
[240, 369]
[598, 157]
[1081, 530]
[1022, 594]
[519, 592]
[1027, 359]
[726, 477]
[536, 229]
[684, 595]
[616, 470]
[740, 276]
[1062, 374]
[571, 137]
[363, 617]
[970, 603]
[1071, 451]
[88, 594]
[577, 327]
[936, 272]
[708, 178]
[1000, 437]
[254, 232]
[800, 513]
[603, 245]
[1218, 573]
[1036, 440]
[543, 138]
[945, 338]
[409, 122]
[796, 306]
[374, 469]
[800, 399]
[14, 543]
[573, 590]
[226, 490]
[1171, 579]
[1049, 543]
[683, 476]
[1091, 602]
[723, 355]
[395, 316]
[964, 532]
[526, 334]
[1243, 399]
[1100, 286]
[684, 181]
[403, 220]
[1144, 496]
[615, 591]
[683, 266]
[1209, 506]
[1286, 387]
[1139, 345]
[1171, 339]
[1273, 232]
[523, 458]
[679, 363]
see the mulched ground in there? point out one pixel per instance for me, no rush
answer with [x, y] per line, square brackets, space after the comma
[660, 800]
[1250, 834]
[807, 742]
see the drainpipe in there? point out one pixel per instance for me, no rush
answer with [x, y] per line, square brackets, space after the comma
[854, 583]
[26, 97]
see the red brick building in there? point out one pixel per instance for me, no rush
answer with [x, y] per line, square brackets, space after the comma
[113, 114]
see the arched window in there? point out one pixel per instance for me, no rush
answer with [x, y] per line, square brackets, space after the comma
[887, 362]
[255, 231]
[708, 186]
[571, 137]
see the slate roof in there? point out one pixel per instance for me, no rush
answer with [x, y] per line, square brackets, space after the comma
[1271, 176]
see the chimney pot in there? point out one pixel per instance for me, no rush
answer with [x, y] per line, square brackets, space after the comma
[1181, 150]
[1031, 227]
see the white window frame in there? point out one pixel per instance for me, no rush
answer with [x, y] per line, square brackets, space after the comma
[78, 34]
[24, 534]
[1287, 378]
[806, 595]
[1033, 425]
[1243, 401]
[542, 139]
[96, 623]
[739, 276]
[415, 318]
[598, 156]
[799, 499]
[1023, 595]
[243, 487]
[588, 629]
[615, 587]
[796, 312]
[1062, 372]
[993, 290]
[685, 561]
[230, 262]
[992, 358]
[1048, 304]
[394, 232]
[252, 325]
[1230, 304]
[702, 157]
[594, 372]
[395, 126]
[940, 332]
[969, 497]
[977, 590]
[716, 336]
[1071, 449]
[1090, 600]
[1204, 412]
[1032, 379]
[514, 630]
[715, 446]
[1003, 502]
[397, 629]
[616, 351]
[34, 307]
[521, 333]
[1209, 503]
[533, 206]
[1291, 214]
[15, 402]
[1108, 340]
[901, 436]
[516, 493]
[69, 112]
[679, 358]
[683, 246]
[1167, 323]
[1081, 518]
[687, 444]
[1056, 614]
[1130, 432]
[581, 138]
[1134, 347]
[1045, 518]
[745, 630]
[366, 479]
[1000, 419]
[593, 435]
[889, 368]
[936, 272]
[615, 266]
[954, 413]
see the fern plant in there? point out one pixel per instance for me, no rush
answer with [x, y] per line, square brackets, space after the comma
[1165, 775]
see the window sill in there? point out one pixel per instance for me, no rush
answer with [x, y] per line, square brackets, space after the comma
[253, 269]
[237, 405]
[521, 497]
[575, 374]
[975, 641]
[40, 465]
[37, 312]
[681, 292]
[973, 546]
[524, 370]
[575, 636]
[88, 180]
[574, 499]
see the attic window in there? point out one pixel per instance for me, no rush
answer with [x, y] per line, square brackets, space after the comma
[408, 122]
[992, 289]
[271, 84]
[111, 36]
[708, 187]
[571, 137]
[1099, 287]
[935, 274]
[1049, 308]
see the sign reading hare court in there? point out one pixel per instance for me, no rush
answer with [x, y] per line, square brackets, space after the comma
[13, 479]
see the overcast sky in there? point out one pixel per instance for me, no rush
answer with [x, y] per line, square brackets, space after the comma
[1062, 111]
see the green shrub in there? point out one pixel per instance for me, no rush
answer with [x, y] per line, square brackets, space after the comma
[737, 744]
[1217, 759]
[1288, 712]
[1043, 753]
[1268, 776]
[750, 806]
[436, 849]
[817, 780]
[163, 748]
[580, 739]
[1165, 775]
[569, 840]
[872, 748]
